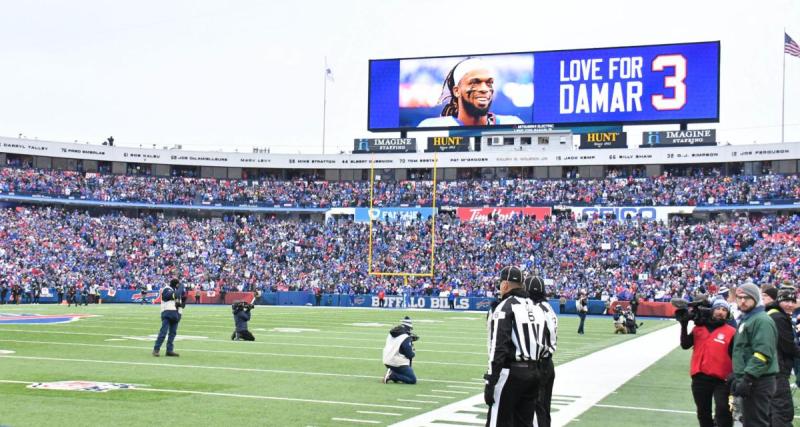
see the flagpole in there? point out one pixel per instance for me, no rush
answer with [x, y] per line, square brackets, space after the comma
[783, 87]
[324, 101]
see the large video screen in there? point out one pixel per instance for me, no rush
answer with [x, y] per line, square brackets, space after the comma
[624, 85]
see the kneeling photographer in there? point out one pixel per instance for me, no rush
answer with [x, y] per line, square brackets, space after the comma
[398, 354]
[241, 315]
[711, 364]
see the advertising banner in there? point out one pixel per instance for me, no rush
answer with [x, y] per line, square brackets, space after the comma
[655, 213]
[604, 140]
[442, 144]
[502, 213]
[385, 145]
[392, 214]
[679, 138]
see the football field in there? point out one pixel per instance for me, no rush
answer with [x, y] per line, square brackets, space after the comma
[309, 367]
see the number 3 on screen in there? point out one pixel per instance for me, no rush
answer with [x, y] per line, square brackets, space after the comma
[675, 81]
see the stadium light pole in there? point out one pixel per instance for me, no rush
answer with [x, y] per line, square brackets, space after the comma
[783, 89]
[328, 75]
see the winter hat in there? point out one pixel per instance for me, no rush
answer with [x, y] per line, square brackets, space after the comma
[751, 291]
[407, 322]
[720, 303]
[770, 290]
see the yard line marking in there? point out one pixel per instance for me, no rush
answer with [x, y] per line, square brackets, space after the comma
[450, 391]
[391, 414]
[434, 396]
[313, 356]
[672, 411]
[232, 342]
[248, 396]
[466, 387]
[222, 368]
[352, 420]
[416, 401]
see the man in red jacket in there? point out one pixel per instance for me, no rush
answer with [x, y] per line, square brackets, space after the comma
[711, 364]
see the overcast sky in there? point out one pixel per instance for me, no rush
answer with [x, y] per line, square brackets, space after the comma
[217, 75]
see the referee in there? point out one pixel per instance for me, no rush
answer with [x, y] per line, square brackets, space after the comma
[535, 287]
[512, 382]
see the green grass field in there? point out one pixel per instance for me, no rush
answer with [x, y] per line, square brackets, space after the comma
[308, 367]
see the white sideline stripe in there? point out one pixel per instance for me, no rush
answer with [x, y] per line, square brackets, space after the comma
[466, 387]
[352, 420]
[255, 342]
[314, 356]
[673, 411]
[391, 414]
[635, 354]
[434, 396]
[416, 401]
[247, 396]
[222, 368]
[450, 391]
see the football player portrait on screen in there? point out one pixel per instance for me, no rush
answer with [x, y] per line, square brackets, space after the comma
[467, 94]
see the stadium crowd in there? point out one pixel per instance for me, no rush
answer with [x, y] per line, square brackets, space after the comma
[701, 189]
[53, 247]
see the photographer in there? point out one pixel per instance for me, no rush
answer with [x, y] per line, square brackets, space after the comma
[582, 306]
[630, 321]
[241, 315]
[619, 320]
[398, 354]
[712, 339]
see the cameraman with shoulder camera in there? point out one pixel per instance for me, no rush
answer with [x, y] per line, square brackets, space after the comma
[755, 361]
[241, 315]
[398, 354]
[712, 339]
[171, 307]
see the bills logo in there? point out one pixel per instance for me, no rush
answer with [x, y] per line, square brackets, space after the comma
[359, 300]
[38, 319]
[81, 386]
[483, 304]
[153, 296]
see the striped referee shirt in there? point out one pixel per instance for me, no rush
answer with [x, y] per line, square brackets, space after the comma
[550, 330]
[516, 331]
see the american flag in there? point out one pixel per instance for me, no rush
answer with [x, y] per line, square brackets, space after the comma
[790, 46]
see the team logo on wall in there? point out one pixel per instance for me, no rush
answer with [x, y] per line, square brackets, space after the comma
[33, 319]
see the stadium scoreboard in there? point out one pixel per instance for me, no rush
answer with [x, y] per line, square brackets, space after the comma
[671, 83]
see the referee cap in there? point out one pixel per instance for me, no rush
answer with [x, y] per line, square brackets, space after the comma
[511, 274]
[534, 285]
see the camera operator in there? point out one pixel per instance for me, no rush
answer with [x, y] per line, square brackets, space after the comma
[241, 315]
[398, 353]
[171, 307]
[779, 305]
[619, 321]
[754, 357]
[712, 339]
[630, 321]
[582, 306]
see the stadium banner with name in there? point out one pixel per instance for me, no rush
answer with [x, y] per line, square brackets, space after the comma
[502, 213]
[443, 144]
[679, 138]
[654, 213]
[385, 145]
[669, 83]
[604, 140]
[392, 214]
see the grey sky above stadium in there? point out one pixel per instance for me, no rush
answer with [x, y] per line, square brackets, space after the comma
[216, 75]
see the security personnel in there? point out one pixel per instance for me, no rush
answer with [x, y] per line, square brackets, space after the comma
[536, 292]
[782, 406]
[171, 307]
[512, 381]
[755, 360]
